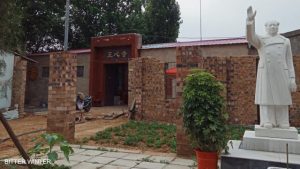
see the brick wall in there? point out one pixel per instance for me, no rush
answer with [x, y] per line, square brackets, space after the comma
[147, 85]
[238, 74]
[62, 94]
[19, 83]
[240, 86]
[295, 108]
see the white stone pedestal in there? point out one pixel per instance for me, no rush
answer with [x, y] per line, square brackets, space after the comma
[291, 133]
[252, 142]
[248, 159]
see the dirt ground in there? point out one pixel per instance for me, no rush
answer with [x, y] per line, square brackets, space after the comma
[38, 122]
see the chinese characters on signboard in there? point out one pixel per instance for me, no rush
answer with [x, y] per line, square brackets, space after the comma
[6, 73]
[116, 53]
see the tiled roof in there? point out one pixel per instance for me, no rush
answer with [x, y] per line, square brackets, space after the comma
[292, 33]
[197, 43]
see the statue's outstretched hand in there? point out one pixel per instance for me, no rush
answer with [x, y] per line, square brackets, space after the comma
[250, 14]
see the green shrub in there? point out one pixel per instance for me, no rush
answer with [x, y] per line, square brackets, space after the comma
[204, 117]
[45, 144]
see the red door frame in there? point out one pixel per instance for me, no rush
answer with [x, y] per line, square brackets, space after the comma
[97, 72]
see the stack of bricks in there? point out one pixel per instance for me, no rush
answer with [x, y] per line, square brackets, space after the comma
[62, 94]
[19, 84]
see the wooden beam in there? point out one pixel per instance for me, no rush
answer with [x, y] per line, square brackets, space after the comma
[14, 138]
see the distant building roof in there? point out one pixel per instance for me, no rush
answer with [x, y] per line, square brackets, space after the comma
[75, 51]
[79, 51]
[292, 33]
[198, 43]
[241, 40]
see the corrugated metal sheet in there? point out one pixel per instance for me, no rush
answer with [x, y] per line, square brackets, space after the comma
[170, 45]
[78, 51]
[75, 51]
[197, 43]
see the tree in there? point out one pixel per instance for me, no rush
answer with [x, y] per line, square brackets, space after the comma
[85, 22]
[103, 17]
[44, 28]
[11, 34]
[42, 24]
[162, 20]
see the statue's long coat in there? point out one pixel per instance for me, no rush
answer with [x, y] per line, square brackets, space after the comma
[275, 68]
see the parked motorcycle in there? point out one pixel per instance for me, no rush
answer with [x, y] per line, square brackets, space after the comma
[83, 102]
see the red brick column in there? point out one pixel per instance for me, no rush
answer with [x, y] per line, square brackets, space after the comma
[62, 94]
[135, 83]
[186, 58]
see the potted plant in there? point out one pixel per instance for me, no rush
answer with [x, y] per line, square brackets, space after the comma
[204, 117]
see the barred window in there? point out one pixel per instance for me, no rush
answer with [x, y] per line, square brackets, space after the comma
[80, 71]
[45, 71]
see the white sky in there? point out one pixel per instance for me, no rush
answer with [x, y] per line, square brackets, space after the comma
[227, 18]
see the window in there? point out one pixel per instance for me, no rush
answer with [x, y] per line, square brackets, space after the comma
[170, 87]
[45, 71]
[80, 71]
[170, 81]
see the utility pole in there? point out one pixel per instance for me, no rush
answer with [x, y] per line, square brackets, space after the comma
[201, 20]
[67, 25]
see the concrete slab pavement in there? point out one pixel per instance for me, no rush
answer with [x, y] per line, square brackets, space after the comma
[97, 158]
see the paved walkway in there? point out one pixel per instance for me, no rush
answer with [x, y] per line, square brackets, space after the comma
[88, 157]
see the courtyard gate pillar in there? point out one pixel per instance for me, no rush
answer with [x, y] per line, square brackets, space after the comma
[62, 94]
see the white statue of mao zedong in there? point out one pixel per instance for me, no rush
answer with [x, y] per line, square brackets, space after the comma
[275, 74]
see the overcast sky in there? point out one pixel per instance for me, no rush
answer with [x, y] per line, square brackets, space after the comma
[227, 18]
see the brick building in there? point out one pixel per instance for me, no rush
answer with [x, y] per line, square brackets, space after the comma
[36, 94]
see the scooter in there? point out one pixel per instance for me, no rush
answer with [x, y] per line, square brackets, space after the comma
[83, 102]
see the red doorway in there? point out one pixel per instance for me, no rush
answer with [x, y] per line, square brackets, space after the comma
[116, 84]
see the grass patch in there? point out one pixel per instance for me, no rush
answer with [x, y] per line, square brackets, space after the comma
[136, 133]
[152, 135]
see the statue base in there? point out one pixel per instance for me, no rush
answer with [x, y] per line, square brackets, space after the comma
[248, 159]
[252, 142]
[291, 133]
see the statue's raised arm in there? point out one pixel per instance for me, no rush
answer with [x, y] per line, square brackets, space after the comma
[250, 32]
